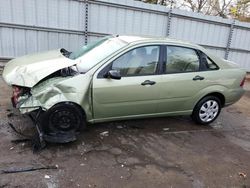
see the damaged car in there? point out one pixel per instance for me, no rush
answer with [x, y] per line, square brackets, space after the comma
[119, 78]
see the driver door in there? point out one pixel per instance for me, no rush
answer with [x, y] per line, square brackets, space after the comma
[136, 93]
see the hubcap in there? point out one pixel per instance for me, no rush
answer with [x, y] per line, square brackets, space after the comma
[209, 110]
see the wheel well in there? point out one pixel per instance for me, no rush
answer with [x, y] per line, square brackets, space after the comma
[73, 103]
[219, 95]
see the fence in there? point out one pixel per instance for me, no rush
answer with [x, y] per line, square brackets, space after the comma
[28, 26]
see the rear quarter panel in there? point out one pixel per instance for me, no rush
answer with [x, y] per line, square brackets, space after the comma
[223, 81]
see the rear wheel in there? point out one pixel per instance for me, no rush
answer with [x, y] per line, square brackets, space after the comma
[207, 110]
[63, 118]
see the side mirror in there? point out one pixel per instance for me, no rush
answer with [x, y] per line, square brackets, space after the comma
[113, 74]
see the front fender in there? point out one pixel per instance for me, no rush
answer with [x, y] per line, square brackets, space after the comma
[76, 89]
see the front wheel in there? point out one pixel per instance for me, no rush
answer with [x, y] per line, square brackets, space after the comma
[206, 110]
[63, 120]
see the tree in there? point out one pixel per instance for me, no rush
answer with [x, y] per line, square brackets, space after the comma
[238, 9]
[195, 6]
[159, 2]
[241, 10]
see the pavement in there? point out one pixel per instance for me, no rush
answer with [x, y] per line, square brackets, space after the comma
[159, 152]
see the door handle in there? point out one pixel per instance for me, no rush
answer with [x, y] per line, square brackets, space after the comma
[198, 78]
[148, 82]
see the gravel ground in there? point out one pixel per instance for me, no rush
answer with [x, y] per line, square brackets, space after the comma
[160, 152]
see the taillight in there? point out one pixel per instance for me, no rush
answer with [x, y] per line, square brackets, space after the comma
[242, 82]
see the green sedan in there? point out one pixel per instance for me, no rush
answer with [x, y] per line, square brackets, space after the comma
[122, 77]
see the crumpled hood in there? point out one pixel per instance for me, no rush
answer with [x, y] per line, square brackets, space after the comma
[30, 69]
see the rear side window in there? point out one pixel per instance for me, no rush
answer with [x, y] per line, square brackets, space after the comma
[207, 63]
[181, 60]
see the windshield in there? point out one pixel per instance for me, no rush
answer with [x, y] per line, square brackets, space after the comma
[93, 53]
[88, 47]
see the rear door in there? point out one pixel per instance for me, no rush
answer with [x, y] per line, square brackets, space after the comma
[136, 93]
[184, 76]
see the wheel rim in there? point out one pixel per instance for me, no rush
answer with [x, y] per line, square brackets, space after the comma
[63, 120]
[209, 110]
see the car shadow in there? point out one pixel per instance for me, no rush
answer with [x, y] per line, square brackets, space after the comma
[97, 133]
[109, 132]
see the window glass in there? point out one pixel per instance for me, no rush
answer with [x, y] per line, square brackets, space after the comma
[140, 61]
[80, 52]
[180, 59]
[211, 65]
[92, 54]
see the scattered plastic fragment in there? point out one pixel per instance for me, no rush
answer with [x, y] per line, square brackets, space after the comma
[242, 174]
[105, 133]
[47, 176]
[119, 126]
[166, 129]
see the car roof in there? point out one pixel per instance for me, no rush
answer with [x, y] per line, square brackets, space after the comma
[142, 39]
[170, 41]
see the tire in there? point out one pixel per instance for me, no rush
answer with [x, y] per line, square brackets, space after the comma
[206, 110]
[63, 118]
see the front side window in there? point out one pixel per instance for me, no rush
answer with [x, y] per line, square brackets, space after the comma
[181, 59]
[139, 61]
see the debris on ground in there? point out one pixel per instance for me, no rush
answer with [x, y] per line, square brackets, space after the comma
[119, 127]
[11, 148]
[165, 129]
[26, 169]
[37, 145]
[46, 176]
[16, 131]
[105, 133]
[242, 174]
